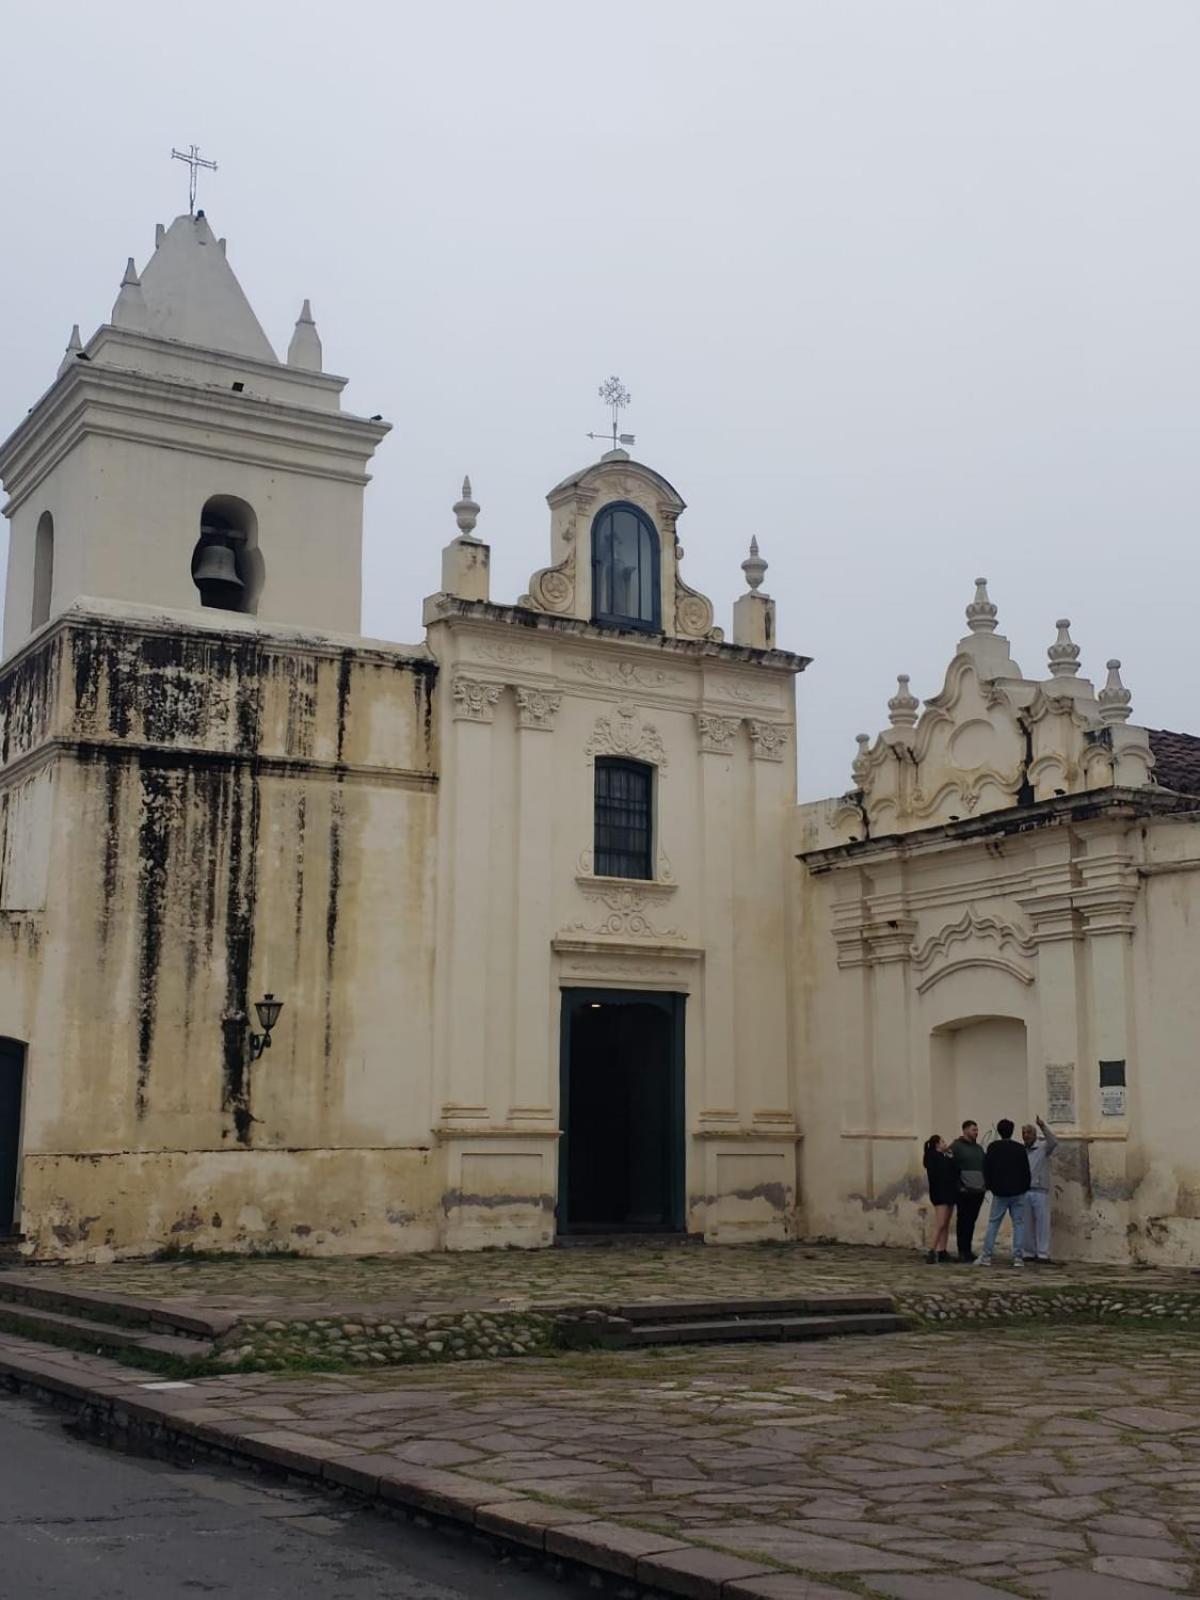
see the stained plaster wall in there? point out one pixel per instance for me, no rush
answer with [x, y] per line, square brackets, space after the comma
[1074, 928]
[229, 809]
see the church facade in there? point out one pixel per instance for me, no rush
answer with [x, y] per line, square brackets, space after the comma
[326, 943]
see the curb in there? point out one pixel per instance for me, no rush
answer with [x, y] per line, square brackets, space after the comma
[109, 1397]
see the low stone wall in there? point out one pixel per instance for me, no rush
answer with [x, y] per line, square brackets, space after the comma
[338, 1342]
[1049, 1303]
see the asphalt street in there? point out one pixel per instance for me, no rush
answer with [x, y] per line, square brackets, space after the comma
[79, 1522]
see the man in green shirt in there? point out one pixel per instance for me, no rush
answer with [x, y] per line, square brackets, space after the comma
[968, 1155]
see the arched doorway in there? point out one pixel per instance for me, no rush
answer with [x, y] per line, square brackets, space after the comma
[979, 1069]
[12, 1093]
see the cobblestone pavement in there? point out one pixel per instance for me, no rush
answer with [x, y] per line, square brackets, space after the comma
[299, 1287]
[1063, 1463]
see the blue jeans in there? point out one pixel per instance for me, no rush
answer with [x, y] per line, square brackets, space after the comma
[1011, 1206]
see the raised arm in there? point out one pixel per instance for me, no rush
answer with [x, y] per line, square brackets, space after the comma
[1051, 1141]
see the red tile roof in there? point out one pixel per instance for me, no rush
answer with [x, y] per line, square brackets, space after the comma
[1176, 760]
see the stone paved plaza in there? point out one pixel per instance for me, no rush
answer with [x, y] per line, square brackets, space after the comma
[1061, 1463]
[322, 1286]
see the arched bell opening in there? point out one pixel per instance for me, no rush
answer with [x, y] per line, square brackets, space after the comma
[43, 570]
[227, 565]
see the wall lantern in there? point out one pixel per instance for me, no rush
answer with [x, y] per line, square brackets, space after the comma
[268, 1009]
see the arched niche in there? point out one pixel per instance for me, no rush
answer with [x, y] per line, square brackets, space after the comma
[43, 570]
[979, 1069]
[227, 565]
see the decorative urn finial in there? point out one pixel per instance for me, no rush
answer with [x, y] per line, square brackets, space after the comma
[981, 613]
[1115, 699]
[1063, 654]
[754, 566]
[861, 765]
[903, 706]
[466, 513]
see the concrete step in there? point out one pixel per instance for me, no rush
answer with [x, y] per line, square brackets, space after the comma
[45, 1290]
[57, 1328]
[808, 1305]
[727, 1330]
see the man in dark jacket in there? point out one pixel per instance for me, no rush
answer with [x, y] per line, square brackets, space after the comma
[1006, 1173]
[968, 1158]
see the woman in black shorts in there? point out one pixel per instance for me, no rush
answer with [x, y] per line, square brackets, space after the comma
[942, 1172]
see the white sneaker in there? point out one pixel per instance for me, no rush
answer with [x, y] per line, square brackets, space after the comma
[983, 1261]
[1017, 1262]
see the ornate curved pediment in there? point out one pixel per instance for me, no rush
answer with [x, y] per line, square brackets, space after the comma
[972, 926]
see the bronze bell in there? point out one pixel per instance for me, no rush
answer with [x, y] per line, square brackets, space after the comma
[216, 577]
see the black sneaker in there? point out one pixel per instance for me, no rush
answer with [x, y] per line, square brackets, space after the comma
[966, 1260]
[943, 1255]
[931, 1258]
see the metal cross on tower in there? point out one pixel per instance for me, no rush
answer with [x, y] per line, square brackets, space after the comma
[194, 161]
[614, 393]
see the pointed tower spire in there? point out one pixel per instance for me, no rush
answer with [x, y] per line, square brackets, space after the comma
[74, 346]
[305, 349]
[129, 308]
[1115, 699]
[1063, 654]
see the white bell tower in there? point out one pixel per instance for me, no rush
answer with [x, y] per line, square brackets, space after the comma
[177, 462]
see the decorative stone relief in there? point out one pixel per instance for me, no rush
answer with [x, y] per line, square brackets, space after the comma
[717, 733]
[553, 588]
[747, 690]
[475, 701]
[768, 739]
[536, 707]
[510, 655]
[623, 733]
[693, 611]
[623, 673]
[972, 926]
[663, 879]
[624, 915]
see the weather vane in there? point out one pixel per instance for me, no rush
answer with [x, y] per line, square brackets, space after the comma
[194, 161]
[614, 393]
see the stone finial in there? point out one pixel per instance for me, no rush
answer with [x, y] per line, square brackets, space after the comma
[981, 613]
[160, 233]
[74, 346]
[466, 513]
[754, 567]
[129, 308]
[861, 765]
[1063, 653]
[1114, 698]
[305, 351]
[903, 706]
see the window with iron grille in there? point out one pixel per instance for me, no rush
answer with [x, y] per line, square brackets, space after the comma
[623, 820]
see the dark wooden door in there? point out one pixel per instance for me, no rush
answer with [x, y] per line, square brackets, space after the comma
[12, 1084]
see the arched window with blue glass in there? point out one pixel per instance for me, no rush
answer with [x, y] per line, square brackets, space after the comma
[625, 569]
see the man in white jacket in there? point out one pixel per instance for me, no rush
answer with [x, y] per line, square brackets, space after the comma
[1037, 1209]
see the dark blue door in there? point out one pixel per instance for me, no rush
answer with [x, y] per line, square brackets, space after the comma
[12, 1083]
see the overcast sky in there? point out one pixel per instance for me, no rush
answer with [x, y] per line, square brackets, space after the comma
[907, 288]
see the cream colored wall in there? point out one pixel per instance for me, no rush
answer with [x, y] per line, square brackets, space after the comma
[229, 811]
[523, 712]
[927, 960]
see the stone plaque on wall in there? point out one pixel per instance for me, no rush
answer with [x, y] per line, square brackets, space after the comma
[1060, 1091]
[1112, 1088]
